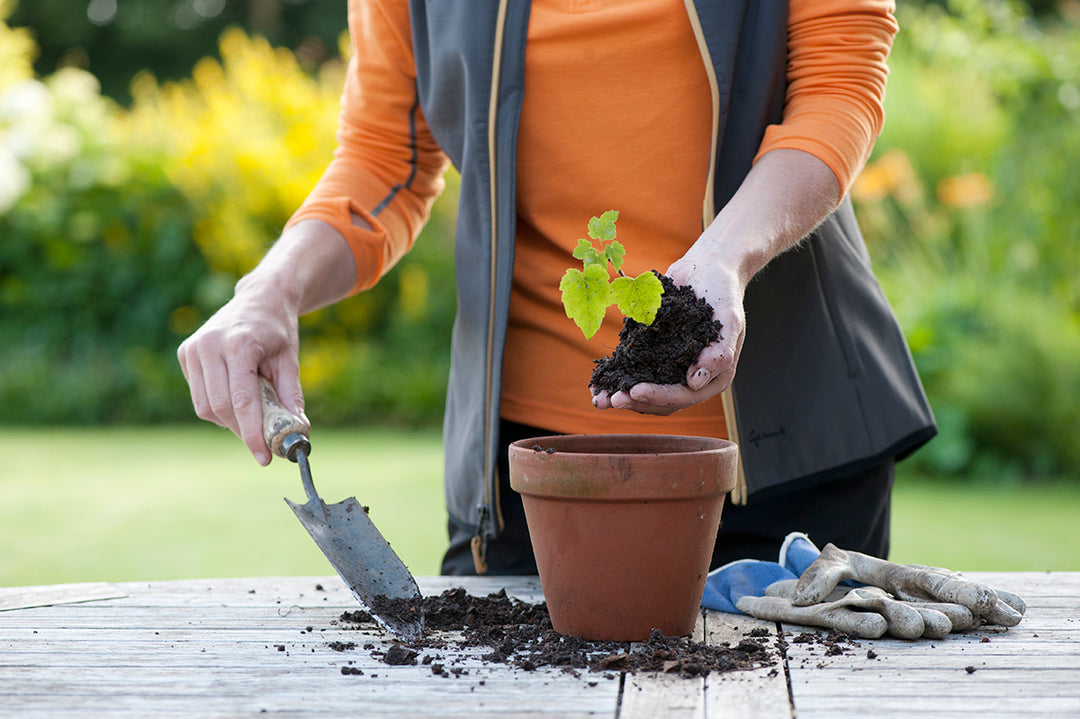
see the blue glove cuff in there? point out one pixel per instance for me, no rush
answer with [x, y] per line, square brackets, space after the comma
[749, 577]
[797, 553]
[745, 577]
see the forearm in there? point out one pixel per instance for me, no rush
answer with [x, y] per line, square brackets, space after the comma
[784, 197]
[310, 267]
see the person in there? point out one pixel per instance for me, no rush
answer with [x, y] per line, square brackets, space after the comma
[726, 133]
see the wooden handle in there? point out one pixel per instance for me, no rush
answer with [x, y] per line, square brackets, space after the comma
[278, 422]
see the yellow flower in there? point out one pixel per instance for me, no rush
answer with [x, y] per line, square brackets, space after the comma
[245, 140]
[17, 49]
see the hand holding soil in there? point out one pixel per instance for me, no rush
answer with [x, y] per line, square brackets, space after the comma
[651, 369]
[683, 355]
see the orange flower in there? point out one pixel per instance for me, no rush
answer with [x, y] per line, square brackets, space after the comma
[891, 174]
[963, 191]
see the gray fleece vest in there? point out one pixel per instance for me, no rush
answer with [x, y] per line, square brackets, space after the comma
[825, 384]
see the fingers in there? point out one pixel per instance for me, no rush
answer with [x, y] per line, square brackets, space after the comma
[903, 621]
[243, 394]
[665, 399]
[717, 362]
[979, 598]
[223, 360]
[1003, 614]
[960, 617]
[866, 625]
[657, 399]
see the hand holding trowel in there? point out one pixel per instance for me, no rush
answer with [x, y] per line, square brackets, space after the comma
[344, 532]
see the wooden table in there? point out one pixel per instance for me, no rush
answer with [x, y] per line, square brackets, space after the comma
[246, 647]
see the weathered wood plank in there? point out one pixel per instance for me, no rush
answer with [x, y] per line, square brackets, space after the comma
[759, 693]
[51, 595]
[647, 696]
[209, 648]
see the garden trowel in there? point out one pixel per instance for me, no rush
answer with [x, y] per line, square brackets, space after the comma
[344, 532]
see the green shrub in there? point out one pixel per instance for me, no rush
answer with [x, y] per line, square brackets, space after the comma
[971, 208]
[96, 254]
[125, 229]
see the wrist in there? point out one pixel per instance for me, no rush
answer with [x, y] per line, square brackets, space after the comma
[268, 285]
[309, 267]
[739, 258]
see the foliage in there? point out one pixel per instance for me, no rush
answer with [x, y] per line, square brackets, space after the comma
[168, 38]
[971, 207]
[95, 254]
[130, 228]
[123, 229]
[587, 293]
[246, 139]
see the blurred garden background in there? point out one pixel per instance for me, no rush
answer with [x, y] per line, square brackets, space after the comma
[151, 150]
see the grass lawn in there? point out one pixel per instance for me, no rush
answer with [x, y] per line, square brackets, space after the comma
[188, 502]
[167, 503]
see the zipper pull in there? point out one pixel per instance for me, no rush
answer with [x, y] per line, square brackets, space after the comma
[479, 541]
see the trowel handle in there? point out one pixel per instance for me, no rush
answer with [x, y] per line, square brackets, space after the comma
[284, 432]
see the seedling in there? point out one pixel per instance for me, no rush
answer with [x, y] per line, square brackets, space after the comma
[588, 292]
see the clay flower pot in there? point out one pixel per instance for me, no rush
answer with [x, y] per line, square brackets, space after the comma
[623, 527]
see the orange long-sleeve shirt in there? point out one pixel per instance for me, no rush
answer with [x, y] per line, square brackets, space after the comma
[616, 115]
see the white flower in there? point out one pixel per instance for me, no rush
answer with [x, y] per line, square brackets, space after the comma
[26, 102]
[14, 180]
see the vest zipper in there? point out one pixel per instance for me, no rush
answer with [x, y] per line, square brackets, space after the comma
[491, 481]
[708, 213]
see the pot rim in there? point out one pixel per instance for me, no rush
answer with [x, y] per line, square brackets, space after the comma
[644, 444]
[639, 467]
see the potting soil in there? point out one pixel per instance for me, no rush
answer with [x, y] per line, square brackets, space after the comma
[520, 634]
[660, 353]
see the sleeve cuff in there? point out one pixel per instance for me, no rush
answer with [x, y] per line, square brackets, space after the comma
[368, 246]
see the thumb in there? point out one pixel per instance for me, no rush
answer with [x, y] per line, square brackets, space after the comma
[697, 377]
[716, 363]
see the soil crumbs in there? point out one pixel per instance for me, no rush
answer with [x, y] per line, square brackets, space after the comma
[520, 634]
[660, 353]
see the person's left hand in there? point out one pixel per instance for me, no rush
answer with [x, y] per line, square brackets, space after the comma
[715, 367]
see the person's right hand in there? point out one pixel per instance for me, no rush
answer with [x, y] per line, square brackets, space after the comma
[254, 333]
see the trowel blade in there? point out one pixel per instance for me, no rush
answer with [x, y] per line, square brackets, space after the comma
[366, 562]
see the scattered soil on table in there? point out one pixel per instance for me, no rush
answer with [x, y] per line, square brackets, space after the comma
[520, 634]
[832, 641]
[660, 353]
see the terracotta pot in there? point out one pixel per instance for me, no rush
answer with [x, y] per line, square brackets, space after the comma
[623, 527]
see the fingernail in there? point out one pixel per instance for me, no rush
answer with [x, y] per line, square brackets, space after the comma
[701, 378]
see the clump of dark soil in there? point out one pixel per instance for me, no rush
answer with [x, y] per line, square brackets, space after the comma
[660, 353]
[520, 634]
[402, 610]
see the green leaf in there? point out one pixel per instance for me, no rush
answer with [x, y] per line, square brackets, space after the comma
[586, 296]
[615, 253]
[638, 297]
[603, 227]
[588, 254]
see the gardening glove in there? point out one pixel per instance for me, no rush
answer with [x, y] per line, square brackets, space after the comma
[746, 577]
[910, 583]
[750, 577]
[797, 553]
[854, 610]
